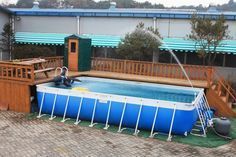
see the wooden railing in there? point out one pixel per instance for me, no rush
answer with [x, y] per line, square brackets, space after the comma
[153, 69]
[224, 88]
[16, 71]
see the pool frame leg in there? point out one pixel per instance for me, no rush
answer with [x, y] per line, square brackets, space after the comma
[79, 109]
[136, 131]
[64, 116]
[122, 116]
[208, 113]
[171, 124]
[94, 110]
[201, 121]
[41, 107]
[108, 115]
[153, 124]
[53, 107]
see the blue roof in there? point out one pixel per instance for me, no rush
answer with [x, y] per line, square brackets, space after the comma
[118, 12]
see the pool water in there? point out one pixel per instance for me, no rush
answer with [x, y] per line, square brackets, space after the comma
[136, 89]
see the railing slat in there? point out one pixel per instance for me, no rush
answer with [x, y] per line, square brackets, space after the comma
[152, 69]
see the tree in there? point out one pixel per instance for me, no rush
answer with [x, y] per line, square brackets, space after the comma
[7, 39]
[140, 44]
[208, 35]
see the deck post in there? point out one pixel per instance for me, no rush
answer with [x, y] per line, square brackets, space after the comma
[94, 110]
[122, 116]
[108, 115]
[153, 124]
[64, 116]
[41, 106]
[171, 124]
[136, 131]
[53, 107]
[79, 109]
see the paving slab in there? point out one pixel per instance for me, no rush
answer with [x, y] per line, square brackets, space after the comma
[21, 137]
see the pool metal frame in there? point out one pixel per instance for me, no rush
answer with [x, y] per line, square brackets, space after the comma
[197, 103]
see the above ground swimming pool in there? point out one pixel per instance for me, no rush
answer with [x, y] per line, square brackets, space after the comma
[127, 104]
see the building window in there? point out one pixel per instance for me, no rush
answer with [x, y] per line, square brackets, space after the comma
[73, 47]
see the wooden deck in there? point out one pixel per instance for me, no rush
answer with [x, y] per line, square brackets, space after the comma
[18, 79]
[130, 77]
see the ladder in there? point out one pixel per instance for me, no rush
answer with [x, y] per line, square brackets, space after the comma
[204, 118]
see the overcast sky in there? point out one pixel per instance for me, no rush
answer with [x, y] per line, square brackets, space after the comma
[169, 3]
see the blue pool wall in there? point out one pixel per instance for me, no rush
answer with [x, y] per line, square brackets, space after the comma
[183, 122]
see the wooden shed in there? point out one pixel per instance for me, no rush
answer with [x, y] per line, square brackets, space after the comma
[77, 55]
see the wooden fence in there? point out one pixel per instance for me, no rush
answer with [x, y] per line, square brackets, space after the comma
[153, 69]
[16, 71]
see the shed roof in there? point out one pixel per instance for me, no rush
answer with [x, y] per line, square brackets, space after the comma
[175, 44]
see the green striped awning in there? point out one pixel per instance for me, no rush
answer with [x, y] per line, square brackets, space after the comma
[58, 39]
[185, 45]
[174, 44]
[40, 38]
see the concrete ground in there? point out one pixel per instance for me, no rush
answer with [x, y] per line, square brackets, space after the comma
[22, 137]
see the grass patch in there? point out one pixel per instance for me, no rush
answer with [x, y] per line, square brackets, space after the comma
[210, 141]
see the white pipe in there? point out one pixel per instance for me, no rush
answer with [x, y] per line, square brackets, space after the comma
[41, 106]
[94, 110]
[171, 124]
[67, 103]
[78, 24]
[154, 122]
[122, 116]
[137, 122]
[78, 114]
[108, 115]
[154, 23]
[53, 107]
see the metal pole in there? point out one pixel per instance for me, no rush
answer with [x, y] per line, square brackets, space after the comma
[64, 116]
[136, 131]
[41, 106]
[122, 116]
[171, 124]
[154, 23]
[108, 115]
[53, 107]
[78, 114]
[78, 24]
[154, 122]
[224, 60]
[185, 57]
[94, 110]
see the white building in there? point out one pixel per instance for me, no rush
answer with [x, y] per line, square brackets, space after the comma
[113, 21]
[107, 26]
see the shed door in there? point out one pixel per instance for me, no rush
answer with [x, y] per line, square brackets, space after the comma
[73, 55]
